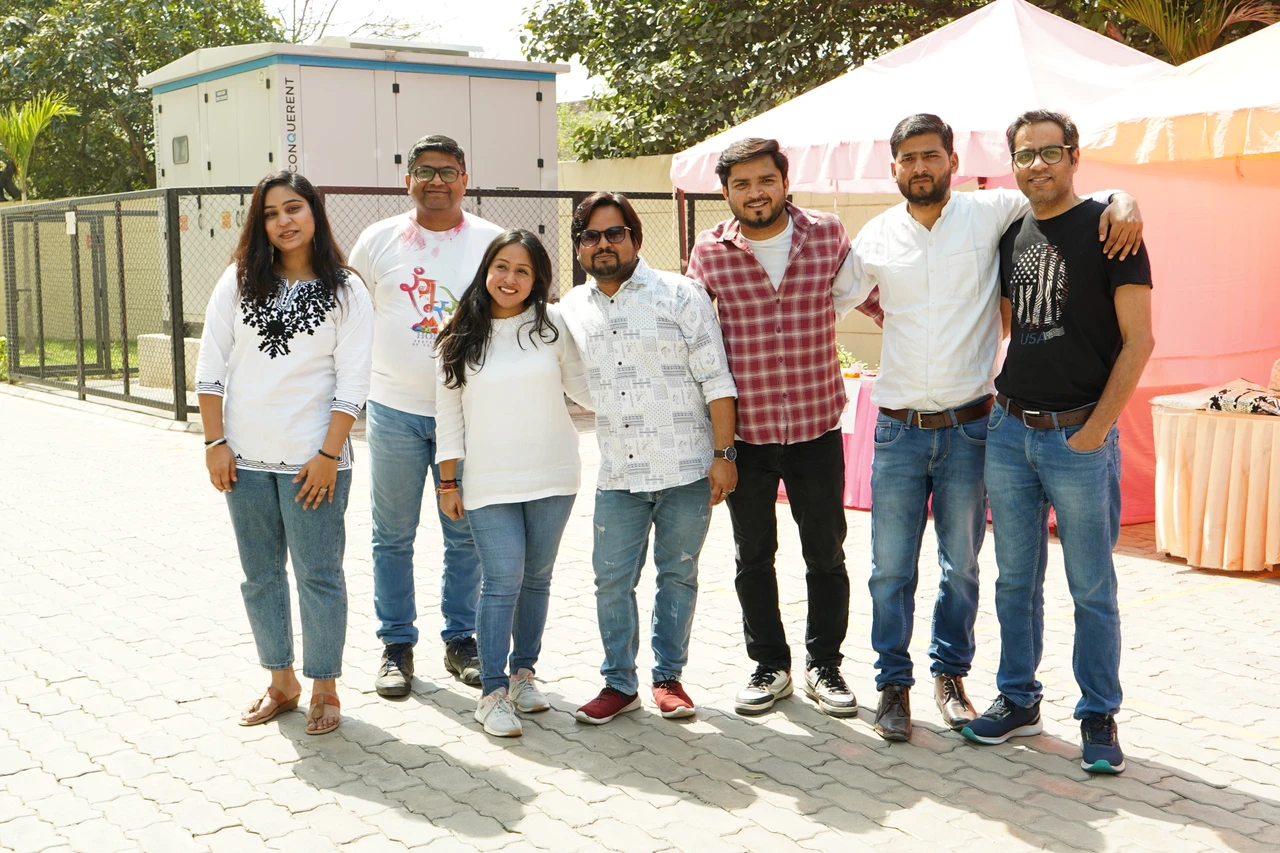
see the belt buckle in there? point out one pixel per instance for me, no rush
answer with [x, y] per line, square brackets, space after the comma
[919, 416]
[1025, 413]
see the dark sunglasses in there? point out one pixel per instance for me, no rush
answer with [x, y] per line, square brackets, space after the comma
[591, 236]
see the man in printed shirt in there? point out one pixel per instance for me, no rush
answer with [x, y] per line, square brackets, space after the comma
[781, 278]
[416, 266]
[664, 401]
[935, 261]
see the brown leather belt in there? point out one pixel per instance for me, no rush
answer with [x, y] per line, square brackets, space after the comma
[939, 420]
[1046, 420]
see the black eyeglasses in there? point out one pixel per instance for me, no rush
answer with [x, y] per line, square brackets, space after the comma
[426, 174]
[591, 236]
[1050, 154]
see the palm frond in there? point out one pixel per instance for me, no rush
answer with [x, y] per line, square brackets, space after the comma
[20, 126]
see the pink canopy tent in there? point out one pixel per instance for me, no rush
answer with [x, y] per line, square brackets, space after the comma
[977, 73]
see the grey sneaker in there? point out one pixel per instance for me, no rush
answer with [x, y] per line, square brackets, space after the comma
[826, 686]
[525, 694]
[461, 659]
[498, 716]
[766, 686]
[395, 674]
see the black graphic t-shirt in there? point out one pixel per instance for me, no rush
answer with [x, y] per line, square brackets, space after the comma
[1064, 337]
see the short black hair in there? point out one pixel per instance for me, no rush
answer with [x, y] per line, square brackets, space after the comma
[436, 142]
[745, 150]
[918, 125]
[582, 215]
[1070, 133]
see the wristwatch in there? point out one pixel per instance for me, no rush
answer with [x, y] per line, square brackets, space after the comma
[729, 454]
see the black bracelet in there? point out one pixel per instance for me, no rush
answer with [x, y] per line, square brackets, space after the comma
[327, 456]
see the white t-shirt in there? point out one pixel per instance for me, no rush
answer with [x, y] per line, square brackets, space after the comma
[509, 420]
[283, 367]
[774, 252]
[415, 277]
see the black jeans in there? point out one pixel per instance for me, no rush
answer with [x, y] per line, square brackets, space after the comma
[813, 472]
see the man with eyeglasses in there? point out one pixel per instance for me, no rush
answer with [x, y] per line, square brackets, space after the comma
[416, 265]
[1081, 335]
[935, 261]
[664, 403]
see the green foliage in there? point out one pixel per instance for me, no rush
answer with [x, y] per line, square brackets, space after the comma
[96, 50]
[679, 71]
[20, 126]
[1187, 29]
[4, 359]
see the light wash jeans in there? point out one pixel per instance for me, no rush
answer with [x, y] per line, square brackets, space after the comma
[518, 545]
[679, 517]
[402, 450]
[268, 525]
[1028, 471]
[910, 467]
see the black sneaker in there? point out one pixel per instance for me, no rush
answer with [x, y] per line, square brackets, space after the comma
[826, 686]
[461, 659]
[1003, 720]
[1100, 745]
[395, 675]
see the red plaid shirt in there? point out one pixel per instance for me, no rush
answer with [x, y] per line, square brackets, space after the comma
[781, 344]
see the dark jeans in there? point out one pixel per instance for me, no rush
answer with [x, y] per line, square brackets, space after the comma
[813, 472]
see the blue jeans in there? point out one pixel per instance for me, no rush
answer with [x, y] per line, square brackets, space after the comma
[268, 525]
[402, 450]
[679, 517]
[912, 465]
[517, 545]
[1028, 471]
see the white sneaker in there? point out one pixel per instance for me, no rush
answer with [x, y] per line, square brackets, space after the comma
[766, 686]
[498, 716]
[525, 694]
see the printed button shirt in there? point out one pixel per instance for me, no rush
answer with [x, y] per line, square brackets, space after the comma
[655, 359]
[781, 344]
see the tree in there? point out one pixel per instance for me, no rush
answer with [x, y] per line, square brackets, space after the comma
[1189, 29]
[21, 125]
[311, 20]
[96, 50]
[679, 71]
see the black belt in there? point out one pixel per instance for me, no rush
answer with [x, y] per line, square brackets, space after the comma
[1046, 420]
[940, 420]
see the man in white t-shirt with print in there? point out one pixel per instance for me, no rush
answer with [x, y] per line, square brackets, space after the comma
[417, 265]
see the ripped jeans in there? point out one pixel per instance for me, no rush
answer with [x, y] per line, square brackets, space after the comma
[679, 517]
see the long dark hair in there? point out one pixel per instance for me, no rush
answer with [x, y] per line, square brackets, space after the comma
[463, 341]
[254, 255]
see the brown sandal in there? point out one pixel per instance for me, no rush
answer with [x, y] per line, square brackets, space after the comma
[283, 703]
[316, 712]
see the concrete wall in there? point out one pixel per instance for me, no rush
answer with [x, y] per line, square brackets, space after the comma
[856, 333]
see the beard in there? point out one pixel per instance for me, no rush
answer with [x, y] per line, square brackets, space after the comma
[605, 266]
[760, 218]
[926, 192]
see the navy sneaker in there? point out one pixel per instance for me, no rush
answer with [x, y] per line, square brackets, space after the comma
[1100, 745]
[1003, 720]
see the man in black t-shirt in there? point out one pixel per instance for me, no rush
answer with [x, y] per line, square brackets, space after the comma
[1080, 335]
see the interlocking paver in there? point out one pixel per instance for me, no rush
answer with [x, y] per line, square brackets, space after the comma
[103, 749]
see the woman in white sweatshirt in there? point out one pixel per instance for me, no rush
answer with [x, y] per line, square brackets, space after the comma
[504, 365]
[283, 372]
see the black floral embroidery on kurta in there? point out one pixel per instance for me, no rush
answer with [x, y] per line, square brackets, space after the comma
[291, 311]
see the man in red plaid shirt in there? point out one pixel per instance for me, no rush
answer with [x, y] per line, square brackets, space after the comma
[782, 277]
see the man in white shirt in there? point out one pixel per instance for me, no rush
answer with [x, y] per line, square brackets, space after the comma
[417, 265]
[935, 260]
[664, 403]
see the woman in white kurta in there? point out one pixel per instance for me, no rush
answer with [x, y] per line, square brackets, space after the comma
[504, 365]
[283, 373]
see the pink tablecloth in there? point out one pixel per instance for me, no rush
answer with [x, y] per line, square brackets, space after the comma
[859, 428]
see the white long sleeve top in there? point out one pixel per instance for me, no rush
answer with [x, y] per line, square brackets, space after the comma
[284, 366]
[509, 420]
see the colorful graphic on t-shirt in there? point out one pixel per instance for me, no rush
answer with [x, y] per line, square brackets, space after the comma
[1039, 293]
[434, 311]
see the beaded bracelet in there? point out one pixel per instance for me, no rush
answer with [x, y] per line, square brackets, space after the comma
[327, 456]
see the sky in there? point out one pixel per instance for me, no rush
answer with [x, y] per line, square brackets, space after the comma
[489, 24]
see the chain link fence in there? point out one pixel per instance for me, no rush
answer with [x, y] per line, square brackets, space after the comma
[105, 296]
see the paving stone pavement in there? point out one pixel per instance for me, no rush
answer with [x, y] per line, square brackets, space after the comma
[125, 655]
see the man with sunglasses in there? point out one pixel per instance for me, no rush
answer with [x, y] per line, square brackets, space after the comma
[664, 403]
[1081, 335]
[416, 265]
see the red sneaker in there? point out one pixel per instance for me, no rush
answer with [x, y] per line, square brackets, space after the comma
[672, 701]
[609, 704]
